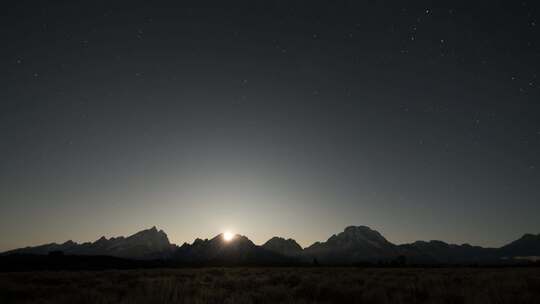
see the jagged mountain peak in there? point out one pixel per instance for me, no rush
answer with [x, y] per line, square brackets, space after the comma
[357, 228]
[69, 243]
[152, 230]
[237, 240]
[356, 235]
[101, 240]
[283, 246]
[218, 250]
[145, 244]
[278, 238]
[361, 234]
[354, 244]
[150, 234]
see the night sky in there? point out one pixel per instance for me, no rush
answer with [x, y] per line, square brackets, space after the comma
[289, 118]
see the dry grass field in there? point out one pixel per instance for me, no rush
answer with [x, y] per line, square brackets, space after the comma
[275, 285]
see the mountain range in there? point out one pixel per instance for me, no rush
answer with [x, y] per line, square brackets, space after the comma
[356, 244]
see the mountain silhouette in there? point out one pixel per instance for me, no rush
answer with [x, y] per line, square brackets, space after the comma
[356, 244]
[238, 251]
[145, 244]
[286, 247]
[441, 252]
[527, 245]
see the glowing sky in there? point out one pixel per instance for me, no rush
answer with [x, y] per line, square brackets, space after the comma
[275, 118]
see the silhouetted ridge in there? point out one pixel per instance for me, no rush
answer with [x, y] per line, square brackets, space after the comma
[527, 245]
[146, 244]
[288, 247]
[441, 252]
[238, 251]
[355, 244]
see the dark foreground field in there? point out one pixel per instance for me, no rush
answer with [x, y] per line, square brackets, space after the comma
[275, 285]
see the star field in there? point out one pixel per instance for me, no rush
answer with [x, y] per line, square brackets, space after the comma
[289, 117]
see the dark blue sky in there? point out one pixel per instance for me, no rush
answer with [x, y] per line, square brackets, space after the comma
[290, 118]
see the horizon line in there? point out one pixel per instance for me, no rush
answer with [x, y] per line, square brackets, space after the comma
[155, 227]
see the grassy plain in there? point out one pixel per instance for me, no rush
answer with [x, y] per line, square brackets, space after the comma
[275, 285]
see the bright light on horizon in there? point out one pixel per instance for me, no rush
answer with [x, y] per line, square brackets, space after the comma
[227, 236]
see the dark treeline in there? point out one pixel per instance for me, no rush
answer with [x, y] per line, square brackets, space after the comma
[56, 261]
